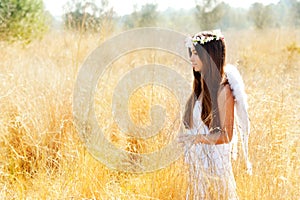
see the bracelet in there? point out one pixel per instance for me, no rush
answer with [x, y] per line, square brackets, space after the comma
[217, 130]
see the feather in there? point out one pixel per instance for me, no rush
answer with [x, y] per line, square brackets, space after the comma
[242, 122]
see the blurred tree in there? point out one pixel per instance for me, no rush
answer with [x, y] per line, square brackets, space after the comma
[297, 20]
[262, 16]
[288, 13]
[22, 20]
[181, 20]
[209, 13]
[84, 15]
[233, 18]
[145, 17]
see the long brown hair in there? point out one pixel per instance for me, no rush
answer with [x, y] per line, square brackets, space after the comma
[207, 82]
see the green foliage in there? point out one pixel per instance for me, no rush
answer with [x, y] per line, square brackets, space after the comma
[286, 13]
[86, 15]
[233, 18]
[180, 20]
[209, 13]
[206, 15]
[262, 16]
[147, 16]
[212, 14]
[22, 20]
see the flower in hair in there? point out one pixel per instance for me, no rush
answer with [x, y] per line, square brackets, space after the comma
[188, 42]
[204, 37]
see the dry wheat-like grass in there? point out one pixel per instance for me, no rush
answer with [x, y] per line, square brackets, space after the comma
[41, 155]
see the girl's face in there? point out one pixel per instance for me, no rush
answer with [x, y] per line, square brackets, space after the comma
[195, 60]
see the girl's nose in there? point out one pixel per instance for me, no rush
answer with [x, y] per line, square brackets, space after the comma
[192, 58]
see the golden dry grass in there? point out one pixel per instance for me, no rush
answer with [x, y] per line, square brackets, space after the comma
[41, 155]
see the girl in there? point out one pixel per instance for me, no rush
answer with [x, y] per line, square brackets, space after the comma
[209, 120]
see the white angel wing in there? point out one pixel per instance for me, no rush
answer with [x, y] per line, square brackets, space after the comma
[240, 110]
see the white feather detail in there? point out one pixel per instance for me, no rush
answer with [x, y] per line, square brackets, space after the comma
[242, 122]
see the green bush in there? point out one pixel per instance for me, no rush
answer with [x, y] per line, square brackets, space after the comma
[22, 20]
[87, 15]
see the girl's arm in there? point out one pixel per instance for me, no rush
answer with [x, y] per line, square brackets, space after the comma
[226, 112]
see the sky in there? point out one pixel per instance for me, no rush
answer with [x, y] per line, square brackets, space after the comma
[121, 7]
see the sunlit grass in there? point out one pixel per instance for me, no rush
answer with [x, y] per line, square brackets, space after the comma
[41, 155]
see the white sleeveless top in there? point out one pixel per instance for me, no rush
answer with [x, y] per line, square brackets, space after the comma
[209, 164]
[212, 155]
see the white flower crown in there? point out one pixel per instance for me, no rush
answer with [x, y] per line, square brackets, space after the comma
[204, 37]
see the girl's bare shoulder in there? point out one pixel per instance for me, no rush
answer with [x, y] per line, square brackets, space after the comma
[225, 93]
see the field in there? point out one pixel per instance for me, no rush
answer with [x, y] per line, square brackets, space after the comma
[42, 156]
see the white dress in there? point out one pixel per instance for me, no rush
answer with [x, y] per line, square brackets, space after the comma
[210, 169]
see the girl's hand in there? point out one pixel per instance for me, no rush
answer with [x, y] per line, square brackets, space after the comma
[187, 139]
